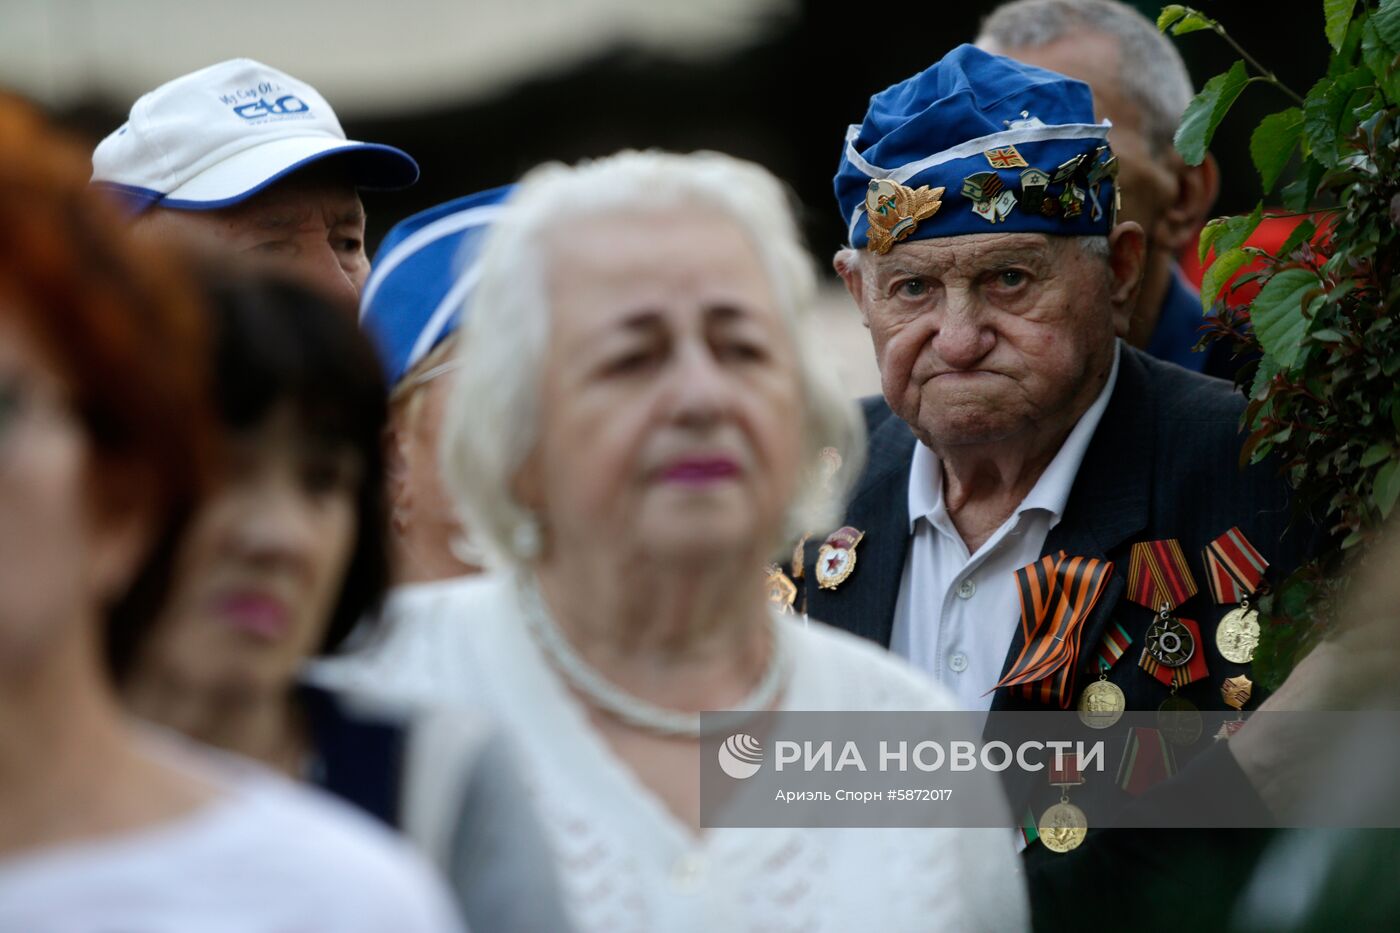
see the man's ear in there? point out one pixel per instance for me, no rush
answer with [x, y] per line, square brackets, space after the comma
[1196, 190]
[1127, 250]
[846, 262]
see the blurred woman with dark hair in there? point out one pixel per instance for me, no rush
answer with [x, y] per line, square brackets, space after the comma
[104, 442]
[286, 557]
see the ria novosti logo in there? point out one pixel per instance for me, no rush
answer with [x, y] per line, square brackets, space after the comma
[741, 756]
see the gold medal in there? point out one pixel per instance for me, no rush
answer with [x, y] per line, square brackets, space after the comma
[1063, 827]
[1237, 635]
[1179, 720]
[1235, 691]
[782, 592]
[1101, 704]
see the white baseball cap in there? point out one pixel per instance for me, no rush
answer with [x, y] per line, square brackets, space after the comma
[217, 136]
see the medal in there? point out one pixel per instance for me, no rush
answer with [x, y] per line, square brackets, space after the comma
[1178, 640]
[1235, 691]
[782, 592]
[1147, 759]
[1179, 720]
[1159, 579]
[1237, 635]
[836, 559]
[1234, 572]
[1169, 642]
[1102, 702]
[1063, 826]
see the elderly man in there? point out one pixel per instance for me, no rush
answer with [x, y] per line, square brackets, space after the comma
[1141, 86]
[1047, 514]
[242, 159]
[424, 274]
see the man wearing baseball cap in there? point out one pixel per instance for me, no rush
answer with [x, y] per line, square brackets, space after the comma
[240, 158]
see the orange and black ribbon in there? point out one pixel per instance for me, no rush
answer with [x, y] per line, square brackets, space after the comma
[1057, 594]
[1234, 567]
[1158, 576]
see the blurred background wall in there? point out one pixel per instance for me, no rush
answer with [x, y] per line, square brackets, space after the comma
[480, 90]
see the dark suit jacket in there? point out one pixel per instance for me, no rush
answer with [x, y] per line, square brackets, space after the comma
[1163, 463]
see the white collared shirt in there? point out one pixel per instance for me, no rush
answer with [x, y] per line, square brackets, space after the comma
[957, 612]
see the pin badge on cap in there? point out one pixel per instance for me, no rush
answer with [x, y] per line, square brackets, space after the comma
[1005, 157]
[894, 211]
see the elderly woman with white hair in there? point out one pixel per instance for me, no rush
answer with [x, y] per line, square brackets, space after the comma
[636, 425]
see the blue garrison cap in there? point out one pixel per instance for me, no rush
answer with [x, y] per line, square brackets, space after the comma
[422, 275]
[977, 143]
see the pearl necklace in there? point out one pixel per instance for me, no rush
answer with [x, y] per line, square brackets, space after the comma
[635, 711]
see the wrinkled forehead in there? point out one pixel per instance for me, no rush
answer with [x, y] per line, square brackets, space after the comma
[321, 193]
[655, 256]
[969, 253]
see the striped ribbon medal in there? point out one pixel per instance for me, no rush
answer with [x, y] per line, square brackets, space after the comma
[1057, 594]
[1159, 579]
[1234, 571]
[1147, 759]
[1102, 702]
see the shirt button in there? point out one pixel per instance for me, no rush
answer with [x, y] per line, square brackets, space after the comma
[687, 872]
[958, 662]
[966, 589]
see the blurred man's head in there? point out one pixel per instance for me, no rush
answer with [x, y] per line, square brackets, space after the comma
[239, 159]
[424, 275]
[1139, 83]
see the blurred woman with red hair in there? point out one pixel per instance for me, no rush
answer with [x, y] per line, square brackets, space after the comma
[103, 455]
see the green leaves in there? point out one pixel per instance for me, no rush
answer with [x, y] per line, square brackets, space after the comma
[1303, 233]
[1324, 399]
[1220, 272]
[1228, 233]
[1274, 140]
[1181, 20]
[1277, 313]
[1206, 110]
[1386, 19]
[1327, 113]
[1338, 16]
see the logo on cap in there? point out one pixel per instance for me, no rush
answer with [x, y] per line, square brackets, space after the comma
[894, 211]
